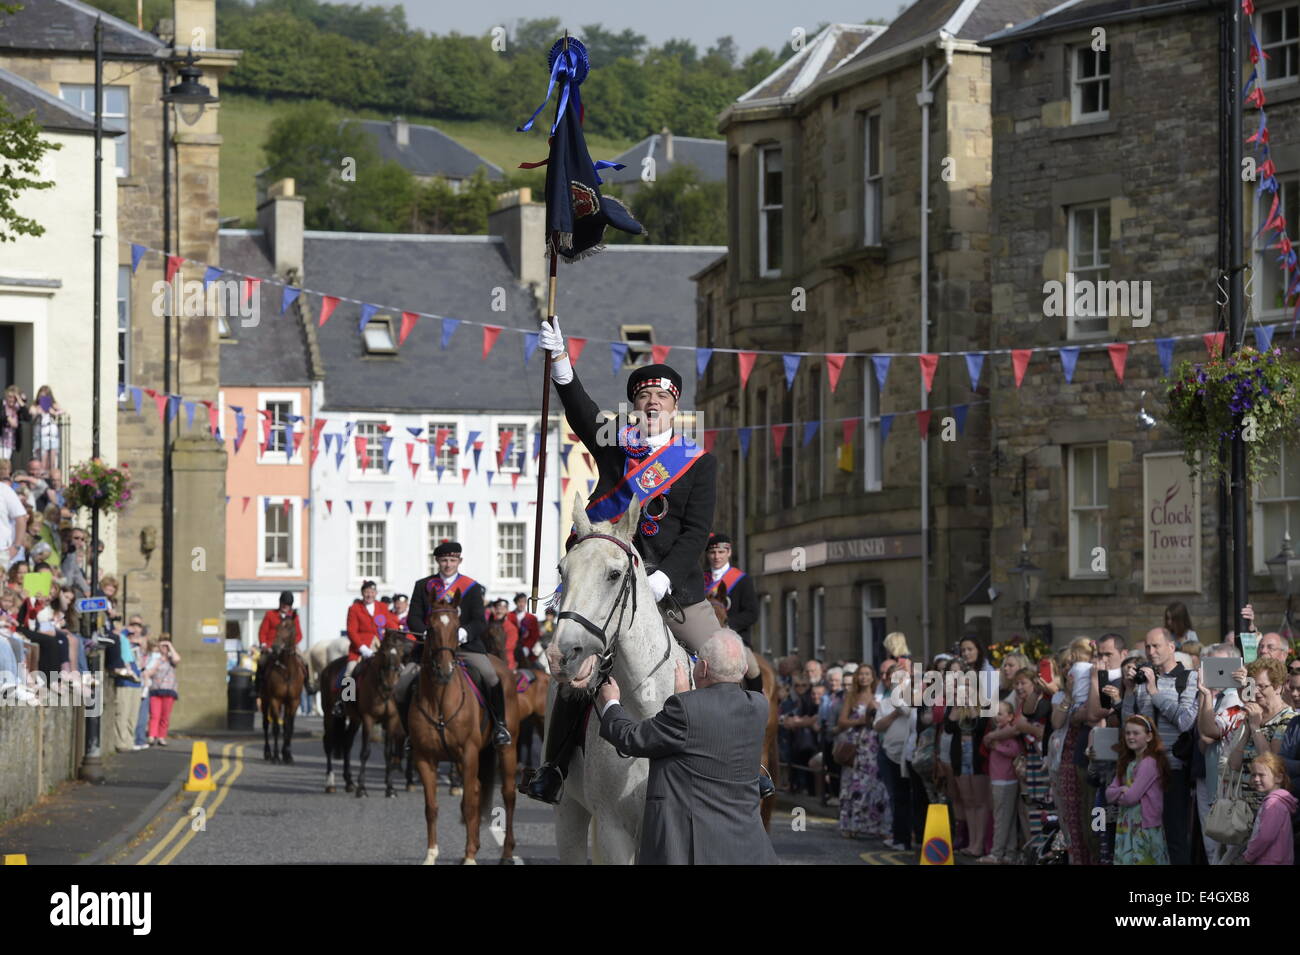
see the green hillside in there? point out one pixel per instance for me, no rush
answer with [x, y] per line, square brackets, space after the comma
[245, 121]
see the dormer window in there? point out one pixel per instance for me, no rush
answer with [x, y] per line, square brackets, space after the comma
[640, 341]
[379, 336]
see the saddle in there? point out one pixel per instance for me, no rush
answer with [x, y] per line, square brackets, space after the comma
[523, 680]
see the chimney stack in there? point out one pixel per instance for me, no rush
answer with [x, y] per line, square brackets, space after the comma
[666, 140]
[281, 218]
[401, 131]
[522, 223]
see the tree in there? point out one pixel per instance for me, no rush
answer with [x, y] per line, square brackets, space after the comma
[605, 46]
[21, 152]
[439, 209]
[678, 209]
[535, 36]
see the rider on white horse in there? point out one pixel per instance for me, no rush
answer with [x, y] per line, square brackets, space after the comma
[676, 482]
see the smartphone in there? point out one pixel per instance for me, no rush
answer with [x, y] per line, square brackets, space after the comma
[1249, 646]
[1045, 670]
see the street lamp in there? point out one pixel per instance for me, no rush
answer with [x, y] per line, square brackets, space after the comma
[1029, 574]
[1284, 568]
[189, 96]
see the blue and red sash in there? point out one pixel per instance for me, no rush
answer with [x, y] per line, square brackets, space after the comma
[647, 478]
[439, 591]
[730, 578]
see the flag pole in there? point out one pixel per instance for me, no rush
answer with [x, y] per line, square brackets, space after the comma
[546, 414]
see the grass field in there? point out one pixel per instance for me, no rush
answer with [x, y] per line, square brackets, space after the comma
[245, 121]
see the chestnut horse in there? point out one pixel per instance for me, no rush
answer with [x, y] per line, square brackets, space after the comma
[532, 686]
[376, 702]
[719, 601]
[281, 692]
[447, 721]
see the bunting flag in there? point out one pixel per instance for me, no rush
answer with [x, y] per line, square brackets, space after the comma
[288, 440]
[849, 428]
[576, 345]
[1214, 343]
[349, 504]
[174, 262]
[537, 444]
[250, 286]
[245, 504]
[746, 359]
[240, 428]
[1263, 338]
[923, 423]
[415, 469]
[448, 328]
[1020, 362]
[329, 506]
[1069, 359]
[478, 451]
[1165, 348]
[791, 363]
[450, 505]
[530, 345]
[975, 365]
[367, 506]
[327, 305]
[363, 452]
[778, 437]
[137, 253]
[471, 508]
[702, 356]
[959, 413]
[659, 353]
[617, 355]
[189, 414]
[160, 402]
[408, 508]
[489, 478]
[137, 396]
[809, 430]
[410, 452]
[490, 333]
[886, 422]
[743, 434]
[338, 459]
[428, 506]
[408, 322]
[586, 459]
[1118, 357]
[367, 313]
[514, 508]
[506, 444]
[317, 427]
[464, 475]
[494, 508]
[929, 363]
[209, 274]
[834, 365]
[388, 507]
[214, 419]
[329, 438]
[285, 505]
[710, 436]
[439, 470]
[564, 486]
[385, 444]
[564, 455]
[590, 485]
[514, 481]
[288, 297]
[881, 364]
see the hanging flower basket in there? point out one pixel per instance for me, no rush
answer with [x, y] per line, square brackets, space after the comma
[1034, 648]
[98, 486]
[1264, 387]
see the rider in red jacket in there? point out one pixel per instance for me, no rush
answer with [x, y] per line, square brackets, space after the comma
[367, 620]
[267, 632]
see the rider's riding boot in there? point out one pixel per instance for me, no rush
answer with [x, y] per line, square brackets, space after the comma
[754, 683]
[564, 725]
[497, 707]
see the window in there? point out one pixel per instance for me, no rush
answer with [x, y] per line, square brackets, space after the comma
[791, 609]
[371, 538]
[819, 622]
[116, 113]
[1089, 258]
[277, 535]
[510, 551]
[439, 531]
[872, 598]
[512, 445]
[124, 326]
[1091, 85]
[1274, 277]
[1279, 36]
[374, 432]
[1089, 496]
[446, 456]
[770, 233]
[873, 193]
[765, 624]
[1277, 507]
[873, 443]
[280, 412]
[379, 336]
[639, 339]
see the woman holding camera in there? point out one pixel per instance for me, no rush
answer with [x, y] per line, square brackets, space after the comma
[162, 689]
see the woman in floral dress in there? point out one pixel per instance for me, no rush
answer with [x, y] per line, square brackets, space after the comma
[864, 800]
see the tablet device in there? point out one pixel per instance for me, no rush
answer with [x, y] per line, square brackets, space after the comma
[1216, 672]
[1104, 741]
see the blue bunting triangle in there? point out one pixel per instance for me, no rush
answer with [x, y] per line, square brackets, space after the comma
[1069, 359]
[1264, 337]
[367, 313]
[886, 422]
[137, 253]
[489, 478]
[959, 412]
[743, 434]
[136, 396]
[448, 328]
[471, 508]
[189, 414]
[428, 506]
[514, 508]
[210, 273]
[1165, 349]
[349, 504]
[530, 345]
[590, 484]
[702, 356]
[974, 365]
[617, 353]
[791, 363]
[338, 460]
[881, 363]
[290, 295]
[810, 429]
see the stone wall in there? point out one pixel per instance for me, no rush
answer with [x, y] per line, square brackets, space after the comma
[40, 747]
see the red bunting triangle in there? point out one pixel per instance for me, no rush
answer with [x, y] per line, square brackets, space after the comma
[1118, 356]
[923, 422]
[564, 485]
[850, 427]
[160, 399]
[329, 506]
[659, 353]
[410, 450]
[408, 508]
[928, 365]
[297, 440]
[327, 305]
[359, 442]
[746, 359]
[285, 505]
[710, 437]
[245, 507]
[367, 505]
[174, 262]
[408, 322]
[1020, 362]
[385, 428]
[778, 436]
[587, 458]
[450, 505]
[249, 285]
[261, 447]
[576, 345]
[834, 365]
[514, 480]
[1214, 343]
[415, 468]
[317, 426]
[494, 508]
[490, 333]
[464, 475]
[439, 437]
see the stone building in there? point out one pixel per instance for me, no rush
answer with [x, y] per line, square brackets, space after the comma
[1106, 167]
[825, 172]
[51, 43]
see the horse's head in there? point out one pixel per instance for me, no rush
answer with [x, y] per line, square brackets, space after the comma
[600, 580]
[441, 637]
[284, 642]
[719, 602]
[392, 653]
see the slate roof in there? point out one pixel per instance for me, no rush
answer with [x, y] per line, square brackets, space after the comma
[836, 45]
[52, 113]
[1064, 16]
[431, 151]
[455, 276]
[709, 156]
[68, 26]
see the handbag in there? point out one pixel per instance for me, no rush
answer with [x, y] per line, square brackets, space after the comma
[845, 750]
[1231, 819]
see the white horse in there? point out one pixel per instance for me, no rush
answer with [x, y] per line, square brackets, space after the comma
[319, 657]
[605, 792]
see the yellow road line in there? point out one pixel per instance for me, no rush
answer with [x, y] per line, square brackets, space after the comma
[223, 792]
[180, 823]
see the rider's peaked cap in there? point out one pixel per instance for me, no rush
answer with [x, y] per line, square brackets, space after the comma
[447, 549]
[654, 376]
[718, 539]
[286, 598]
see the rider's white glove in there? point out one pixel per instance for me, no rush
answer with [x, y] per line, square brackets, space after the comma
[552, 340]
[462, 634]
[660, 585]
[365, 651]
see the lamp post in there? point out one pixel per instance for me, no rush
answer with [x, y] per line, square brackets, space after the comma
[1029, 574]
[1284, 568]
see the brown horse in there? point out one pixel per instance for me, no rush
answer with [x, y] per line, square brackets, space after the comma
[531, 689]
[447, 721]
[719, 601]
[281, 692]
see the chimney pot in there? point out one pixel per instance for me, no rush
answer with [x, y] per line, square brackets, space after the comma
[281, 218]
[666, 139]
[401, 131]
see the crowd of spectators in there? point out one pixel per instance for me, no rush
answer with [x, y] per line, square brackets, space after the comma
[1031, 758]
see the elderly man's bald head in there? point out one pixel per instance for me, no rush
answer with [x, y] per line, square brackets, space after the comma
[724, 656]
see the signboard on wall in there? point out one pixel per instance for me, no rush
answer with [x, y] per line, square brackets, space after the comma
[842, 551]
[1171, 525]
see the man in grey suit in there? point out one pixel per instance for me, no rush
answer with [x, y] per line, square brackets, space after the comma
[705, 747]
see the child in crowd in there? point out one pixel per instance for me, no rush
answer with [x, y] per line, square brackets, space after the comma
[13, 411]
[1270, 839]
[45, 427]
[1139, 789]
[1004, 745]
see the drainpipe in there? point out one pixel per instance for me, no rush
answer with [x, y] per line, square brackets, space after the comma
[925, 99]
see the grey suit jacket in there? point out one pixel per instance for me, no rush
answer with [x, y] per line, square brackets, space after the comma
[705, 747]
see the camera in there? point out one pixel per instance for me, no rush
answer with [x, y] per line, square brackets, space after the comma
[1140, 674]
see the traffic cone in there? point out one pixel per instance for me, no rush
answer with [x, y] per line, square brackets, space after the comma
[16, 859]
[936, 849]
[200, 778]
